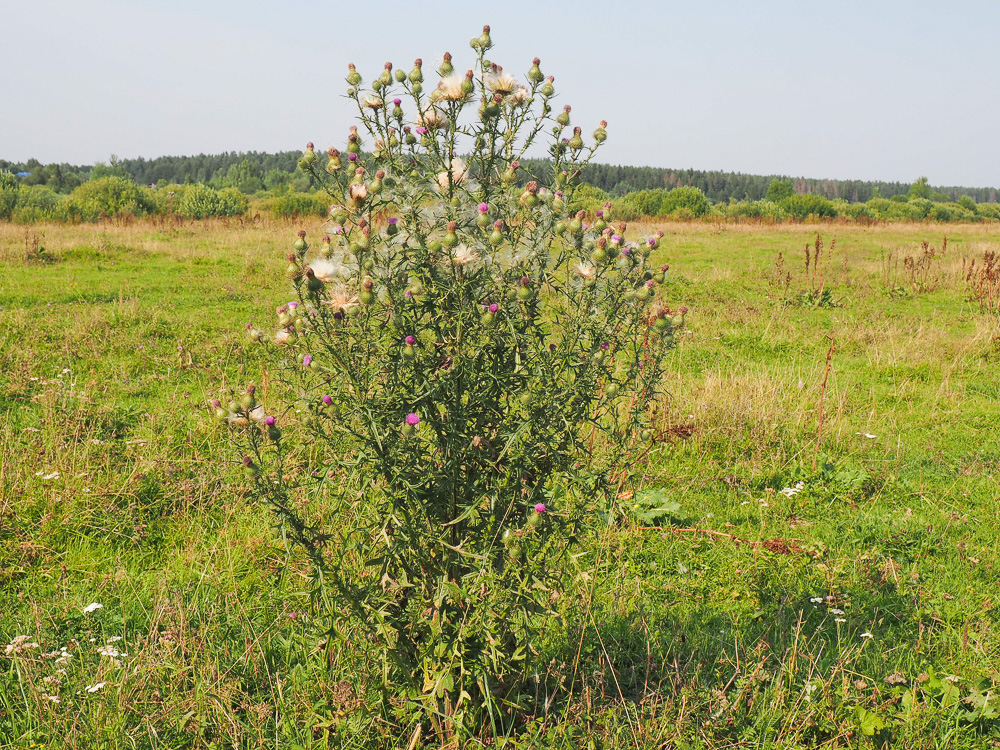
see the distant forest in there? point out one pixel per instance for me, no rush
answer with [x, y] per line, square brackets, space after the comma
[253, 171]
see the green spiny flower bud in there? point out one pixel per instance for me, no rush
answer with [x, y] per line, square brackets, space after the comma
[509, 175]
[313, 284]
[547, 88]
[300, 244]
[496, 236]
[601, 135]
[484, 41]
[308, 158]
[599, 256]
[353, 76]
[450, 239]
[535, 74]
[416, 75]
[333, 160]
[446, 68]
[611, 391]
[563, 118]
[576, 142]
[468, 85]
[400, 75]
[386, 78]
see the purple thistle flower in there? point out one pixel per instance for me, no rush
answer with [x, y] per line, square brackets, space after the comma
[412, 419]
[393, 220]
[408, 294]
[600, 214]
[337, 230]
[626, 250]
[651, 241]
[539, 507]
[484, 207]
[269, 421]
[410, 340]
[293, 304]
[352, 158]
[494, 307]
[586, 227]
[327, 400]
[306, 360]
[605, 346]
[422, 131]
[616, 238]
[397, 102]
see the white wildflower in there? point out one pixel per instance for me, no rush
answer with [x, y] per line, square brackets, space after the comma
[816, 599]
[95, 687]
[19, 644]
[501, 83]
[53, 698]
[328, 271]
[449, 89]
[793, 490]
[839, 619]
[520, 95]
[835, 611]
[341, 300]
[867, 635]
[92, 607]
[432, 118]
[458, 173]
[372, 101]
[585, 271]
[463, 255]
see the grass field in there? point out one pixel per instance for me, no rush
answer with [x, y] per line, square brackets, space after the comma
[827, 576]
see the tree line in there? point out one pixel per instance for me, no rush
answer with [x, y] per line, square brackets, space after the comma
[254, 171]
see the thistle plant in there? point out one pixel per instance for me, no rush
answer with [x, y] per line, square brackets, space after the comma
[472, 365]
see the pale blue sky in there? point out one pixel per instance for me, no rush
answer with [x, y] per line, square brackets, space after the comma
[875, 89]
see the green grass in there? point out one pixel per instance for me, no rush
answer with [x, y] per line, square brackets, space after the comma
[694, 629]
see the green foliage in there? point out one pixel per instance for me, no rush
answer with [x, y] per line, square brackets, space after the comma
[294, 205]
[779, 189]
[476, 371]
[920, 189]
[107, 197]
[202, 202]
[684, 199]
[803, 206]
[246, 176]
[39, 203]
[10, 189]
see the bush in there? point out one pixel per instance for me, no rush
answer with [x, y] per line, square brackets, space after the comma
[10, 188]
[689, 199]
[39, 203]
[471, 377]
[204, 202]
[293, 205]
[803, 206]
[108, 197]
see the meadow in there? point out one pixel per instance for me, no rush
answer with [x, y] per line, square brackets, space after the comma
[811, 561]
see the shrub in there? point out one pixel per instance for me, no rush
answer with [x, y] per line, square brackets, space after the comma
[106, 197]
[807, 204]
[203, 202]
[471, 375]
[10, 188]
[292, 205]
[689, 199]
[39, 203]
